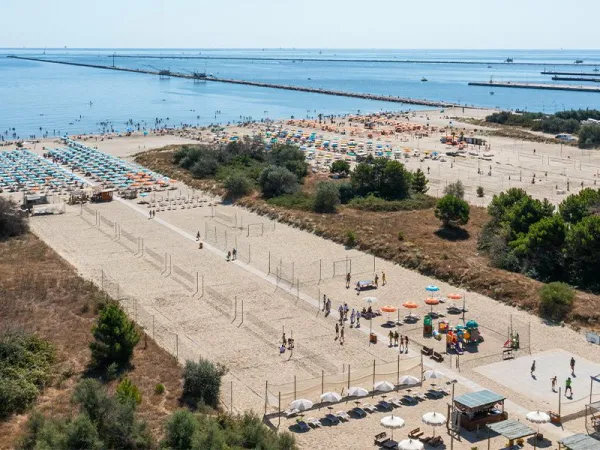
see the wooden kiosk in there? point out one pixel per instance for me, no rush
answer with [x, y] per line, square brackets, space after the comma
[477, 409]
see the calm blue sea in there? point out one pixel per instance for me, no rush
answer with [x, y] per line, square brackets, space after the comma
[38, 98]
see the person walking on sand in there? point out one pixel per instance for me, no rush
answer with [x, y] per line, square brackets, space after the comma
[396, 337]
[391, 336]
[400, 348]
[352, 317]
[405, 344]
[337, 330]
[234, 253]
[229, 256]
[346, 311]
[198, 236]
[382, 278]
[357, 319]
[553, 381]
[348, 277]
[324, 302]
[328, 306]
[572, 366]
[533, 367]
[341, 311]
[376, 280]
[568, 387]
[342, 336]
[283, 339]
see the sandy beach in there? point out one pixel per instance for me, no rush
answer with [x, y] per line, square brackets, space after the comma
[196, 303]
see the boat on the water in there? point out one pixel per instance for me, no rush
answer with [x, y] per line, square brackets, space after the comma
[579, 61]
[509, 60]
[424, 79]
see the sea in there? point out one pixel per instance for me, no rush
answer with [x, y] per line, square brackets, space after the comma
[41, 99]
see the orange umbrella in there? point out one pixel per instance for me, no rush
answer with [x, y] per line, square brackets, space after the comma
[432, 301]
[454, 296]
[389, 309]
[410, 305]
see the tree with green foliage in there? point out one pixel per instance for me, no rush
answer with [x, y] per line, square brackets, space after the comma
[327, 197]
[479, 191]
[452, 211]
[290, 157]
[180, 430]
[456, 189]
[577, 206]
[202, 382]
[13, 222]
[362, 179]
[556, 300]
[419, 182]
[346, 192]
[127, 391]
[583, 252]
[81, 434]
[340, 167]
[238, 185]
[396, 181]
[115, 337]
[524, 213]
[589, 136]
[501, 203]
[275, 181]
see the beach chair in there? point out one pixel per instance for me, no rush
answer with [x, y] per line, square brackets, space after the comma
[409, 400]
[436, 441]
[416, 433]
[381, 439]
[396, 402]
[434, 393]
[359, 412]
[427, 351]
[368, 407]
[302, 426]
[385, 405]
[333, 420]
[314, 423]
[290, 413]
[343, 416]
[419, 396]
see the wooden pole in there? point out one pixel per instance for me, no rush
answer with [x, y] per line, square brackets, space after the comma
[322, 381]
[373, 377]
[279, 410]
[266, 395]
[295, 387]
[348, 376]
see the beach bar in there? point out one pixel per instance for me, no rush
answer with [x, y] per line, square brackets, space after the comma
[477, 409]
[511, 429]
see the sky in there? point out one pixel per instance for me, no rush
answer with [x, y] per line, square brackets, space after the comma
[398, 24]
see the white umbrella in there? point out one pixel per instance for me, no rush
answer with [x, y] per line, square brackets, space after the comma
[410, 444]
[537, 417]
[301, 404]
[383, 386]
[357, 392]
[331, 397]
[392, 422]
[370, 300]
[408, 380]
[434, 419]
[433, 375]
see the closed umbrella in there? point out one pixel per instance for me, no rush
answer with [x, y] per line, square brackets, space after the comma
[433, 375]
[410, 444]
[369, 301]
[383, 386]
[392, 422]
[434, 419]
[301, 404]
[357, 392]
[331, 397]
[408, 380]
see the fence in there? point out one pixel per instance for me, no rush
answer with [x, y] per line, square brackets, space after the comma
[312, 388]
[226, 218]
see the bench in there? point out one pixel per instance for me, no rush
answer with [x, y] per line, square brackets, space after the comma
[427, 351]
[381, 439]
[416, 433]
[437, 357]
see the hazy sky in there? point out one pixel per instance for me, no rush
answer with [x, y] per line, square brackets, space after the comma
[302, 23]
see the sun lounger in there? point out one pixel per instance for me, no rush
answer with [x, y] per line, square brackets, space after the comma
[434, 393]
[381, 438]
[333, 420]
[409, 400]
[315, 423]
[359, 412]
[369, 407]
[419, 396]
[415, 434]
[343, 416]
[436, 441]
[385, 405]
[396, 402]
[291, 413]
[438, 357]
[425, 439]
[427, 351]
[302, 426]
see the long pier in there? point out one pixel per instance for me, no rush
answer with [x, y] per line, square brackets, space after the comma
[550, 87]
[583, 74]
[365, 96]
[594, 80]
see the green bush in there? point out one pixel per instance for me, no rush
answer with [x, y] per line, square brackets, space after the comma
[291, 158]
[400, 236]
[159, 389]
[180, 430]
[202, 382]
[12, 221]
[556, 300]
[577, 206]
[238, 185]
[372, 203]
[346, 192]
[127, 391]
[582, 247]
[452, 211]
[589, 136]
[82, 434]
[275, 181]
[479, 191]
[205, 167]
[381, 177]
[350, 238]
[456, 189]
[299, 200]
[327, 198]
[341, 167]
[25, 364]
[115, 337]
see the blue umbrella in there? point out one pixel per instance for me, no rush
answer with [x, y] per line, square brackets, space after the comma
[432, 288]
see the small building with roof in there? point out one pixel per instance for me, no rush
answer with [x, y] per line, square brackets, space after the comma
[480, 408]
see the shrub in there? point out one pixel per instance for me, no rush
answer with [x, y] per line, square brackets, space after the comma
[456, 189]
[341, 167]
[238, 185]
[115, 337]
[202, 382]
[25, 363]
[299, 200]
[372, 203]
[127, 391]
[346, 192]
[327, 198]
[589, 136]
[12, 221]
[350, 238]
[159, 389]
[291, 158]
[82, 434]
[275, 181]
[583, 251]
[577, 206]
[206, 166]
[479, 191]
[452, 211]
[180, 430]
[419, 182]
[400, 236]
[556, 300]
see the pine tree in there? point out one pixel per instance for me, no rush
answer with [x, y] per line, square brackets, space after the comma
[419, 182]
